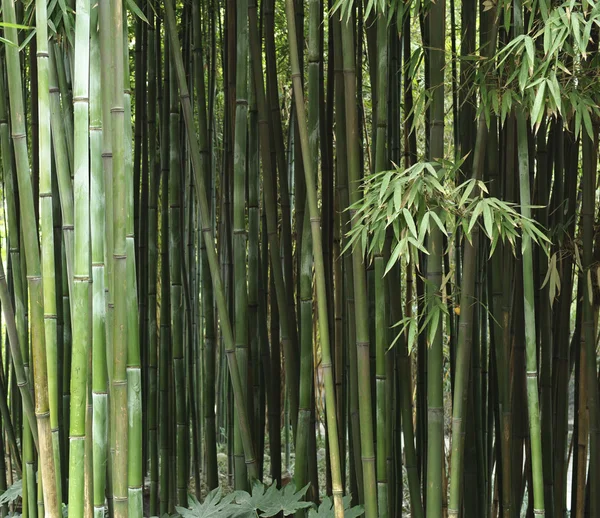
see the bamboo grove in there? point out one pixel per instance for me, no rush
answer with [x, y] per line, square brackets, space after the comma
[345, 249]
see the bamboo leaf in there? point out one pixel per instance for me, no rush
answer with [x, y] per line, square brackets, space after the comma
[488, 221]
[410, 222]
[136, 10]
[587, 122]
[433, 324]
[537, 111]
[530, 52]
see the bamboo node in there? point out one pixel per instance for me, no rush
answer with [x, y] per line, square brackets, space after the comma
[42, 54]
[81, 99]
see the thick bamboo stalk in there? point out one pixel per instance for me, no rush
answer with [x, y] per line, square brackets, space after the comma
[239, 223]
[98, 254]
[176, 297]
[154, 187]
[381, 329]
[81, 263]
[32, 253]
[360, 282]
[435, 410]
[119, 408]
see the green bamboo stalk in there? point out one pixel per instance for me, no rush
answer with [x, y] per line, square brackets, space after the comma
[14, 318]
[176, 249]
[311, 192]
[306, 260]
[589, 183]
[133, 368]
[254, 281]
[98, 254]
[207, 296]
[360, 281]
[63, 166]
[465, 341]
[107, 72]
[81, 265]
[32, 253]
[306, 345]
[47, 232]
[165, 315]
[61, 61]
[435, 410]
[381, 328]
[528, 301]
[154, 187]
[239, 223]
[119, 422]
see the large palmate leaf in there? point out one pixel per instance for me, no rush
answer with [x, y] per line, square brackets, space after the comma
[12, 493]
[214, 505]
[264, 502]
[326, 510]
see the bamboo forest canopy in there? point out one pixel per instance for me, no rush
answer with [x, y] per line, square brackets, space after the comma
[322, 258]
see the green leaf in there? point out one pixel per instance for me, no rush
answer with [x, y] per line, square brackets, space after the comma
[476, 212]
[523, 75]
[326, 509]
[410, 222]
[587, 122]
[439, 223]
[213, 505]
[384, 185]
[487, 221]
[136, 10]
[286, 501]
[530, 52]
[12, 493]
[538, 105]
[423, 228]
[555, 92]
[433, 324]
